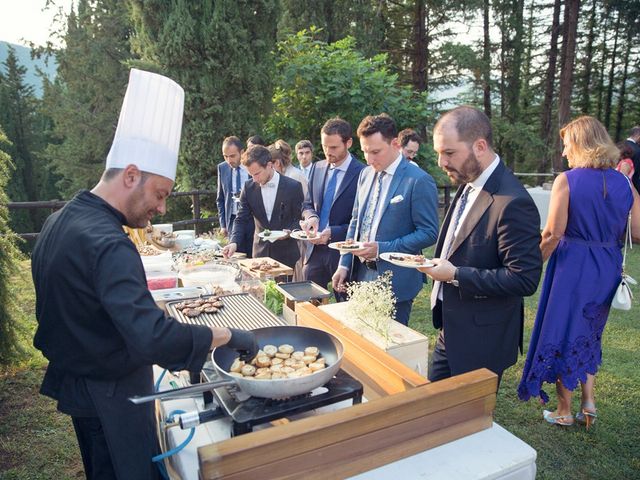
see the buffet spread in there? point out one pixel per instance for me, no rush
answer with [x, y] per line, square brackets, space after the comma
[354, 406]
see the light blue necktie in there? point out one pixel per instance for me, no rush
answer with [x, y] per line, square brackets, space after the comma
[372, 207]
[327, 199]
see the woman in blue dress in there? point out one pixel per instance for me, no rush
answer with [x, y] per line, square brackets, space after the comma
[587, 219]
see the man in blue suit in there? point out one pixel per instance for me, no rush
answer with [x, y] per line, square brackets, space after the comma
[396, 210]
[329, 202]
[231, 179]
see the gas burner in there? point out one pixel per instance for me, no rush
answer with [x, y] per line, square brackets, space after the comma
[247, 412]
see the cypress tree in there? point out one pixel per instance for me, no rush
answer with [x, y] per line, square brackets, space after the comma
[221, 54]
[84, 100]
[9, 256]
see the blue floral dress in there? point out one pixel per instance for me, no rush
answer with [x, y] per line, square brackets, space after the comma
[581, 278]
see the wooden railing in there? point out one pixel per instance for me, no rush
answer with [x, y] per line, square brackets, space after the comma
[444, 200]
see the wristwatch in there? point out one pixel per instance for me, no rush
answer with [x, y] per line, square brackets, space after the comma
[454, 281]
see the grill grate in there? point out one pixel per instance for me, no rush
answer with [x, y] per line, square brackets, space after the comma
[240, 310]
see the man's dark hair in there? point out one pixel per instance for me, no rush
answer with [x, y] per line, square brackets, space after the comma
[111, 173]
[383, 124]
[470, 123]
[338, 126]
[256, 154]
[634, 132]
[233, 140]
[304, 144]
[256, 140]
[408, 135]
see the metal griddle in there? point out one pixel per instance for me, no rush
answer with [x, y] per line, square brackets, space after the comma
[241, 310]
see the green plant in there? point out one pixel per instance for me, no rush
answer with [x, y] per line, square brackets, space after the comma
[273, 298]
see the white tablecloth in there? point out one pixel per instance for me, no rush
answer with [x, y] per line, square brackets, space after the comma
[541, 198]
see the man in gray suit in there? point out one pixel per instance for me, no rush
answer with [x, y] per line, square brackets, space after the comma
[329, 203]
[488, 254]
[396, 210]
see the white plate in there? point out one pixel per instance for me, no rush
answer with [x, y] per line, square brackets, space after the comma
[392, 257]
[300, 235]
[351, 248]
[275, 235]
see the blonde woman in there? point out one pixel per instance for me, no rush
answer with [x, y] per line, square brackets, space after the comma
[588, 214]
[281, 155]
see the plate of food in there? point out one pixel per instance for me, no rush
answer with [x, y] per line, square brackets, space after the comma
[302, 235]
[346, 246]
[272, 235]
[407, 260]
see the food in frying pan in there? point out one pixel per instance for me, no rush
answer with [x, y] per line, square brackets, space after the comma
[264, 366]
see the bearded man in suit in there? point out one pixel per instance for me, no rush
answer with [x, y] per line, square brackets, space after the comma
[395, 210]
[329, 203]
[269, 202]
[488, 255]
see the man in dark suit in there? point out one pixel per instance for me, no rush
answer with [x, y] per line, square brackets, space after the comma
[329, 203]
[395, 210]
[487, 254]
[231, 177]
[270, 202]
[634, 142]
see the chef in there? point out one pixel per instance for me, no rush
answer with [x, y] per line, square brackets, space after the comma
[97, 322]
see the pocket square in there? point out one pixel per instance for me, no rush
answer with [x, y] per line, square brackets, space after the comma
[397, 199]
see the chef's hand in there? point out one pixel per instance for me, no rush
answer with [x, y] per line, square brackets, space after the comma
[338, 280]
[229, 250]
[369, 251]
[244, 341]
[322, 238]
[443, 271]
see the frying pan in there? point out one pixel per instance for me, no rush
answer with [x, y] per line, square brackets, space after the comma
[299, 337]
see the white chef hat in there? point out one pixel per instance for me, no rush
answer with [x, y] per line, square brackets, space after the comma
[149, 127]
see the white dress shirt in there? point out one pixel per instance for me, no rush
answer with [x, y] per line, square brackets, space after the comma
[341, 171]
[306, 170]
[269, 191]
[386, 183]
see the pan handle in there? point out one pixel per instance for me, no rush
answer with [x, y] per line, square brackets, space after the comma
[185, 392]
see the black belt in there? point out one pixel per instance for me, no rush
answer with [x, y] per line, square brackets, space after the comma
[371, 264]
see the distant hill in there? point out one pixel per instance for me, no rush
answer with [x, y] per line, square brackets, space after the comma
[24, 58]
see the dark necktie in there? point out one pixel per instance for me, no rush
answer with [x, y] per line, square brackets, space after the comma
[238, 188]
[372, 207]
[462, 203]
[327, 199]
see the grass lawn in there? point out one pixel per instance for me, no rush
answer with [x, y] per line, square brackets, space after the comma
[36, 442]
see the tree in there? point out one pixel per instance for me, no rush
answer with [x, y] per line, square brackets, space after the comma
[24, 126]
[317, 81]
[84, 100]
[570, 28]
[221, 54]
[9, 255]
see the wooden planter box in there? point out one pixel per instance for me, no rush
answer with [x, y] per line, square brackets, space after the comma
[407, 345]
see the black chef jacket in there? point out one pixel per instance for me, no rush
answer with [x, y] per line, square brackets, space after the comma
[100, 328]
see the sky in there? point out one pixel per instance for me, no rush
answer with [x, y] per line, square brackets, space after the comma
[24, 21]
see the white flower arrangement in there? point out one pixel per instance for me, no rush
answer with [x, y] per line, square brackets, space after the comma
[373, 303]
